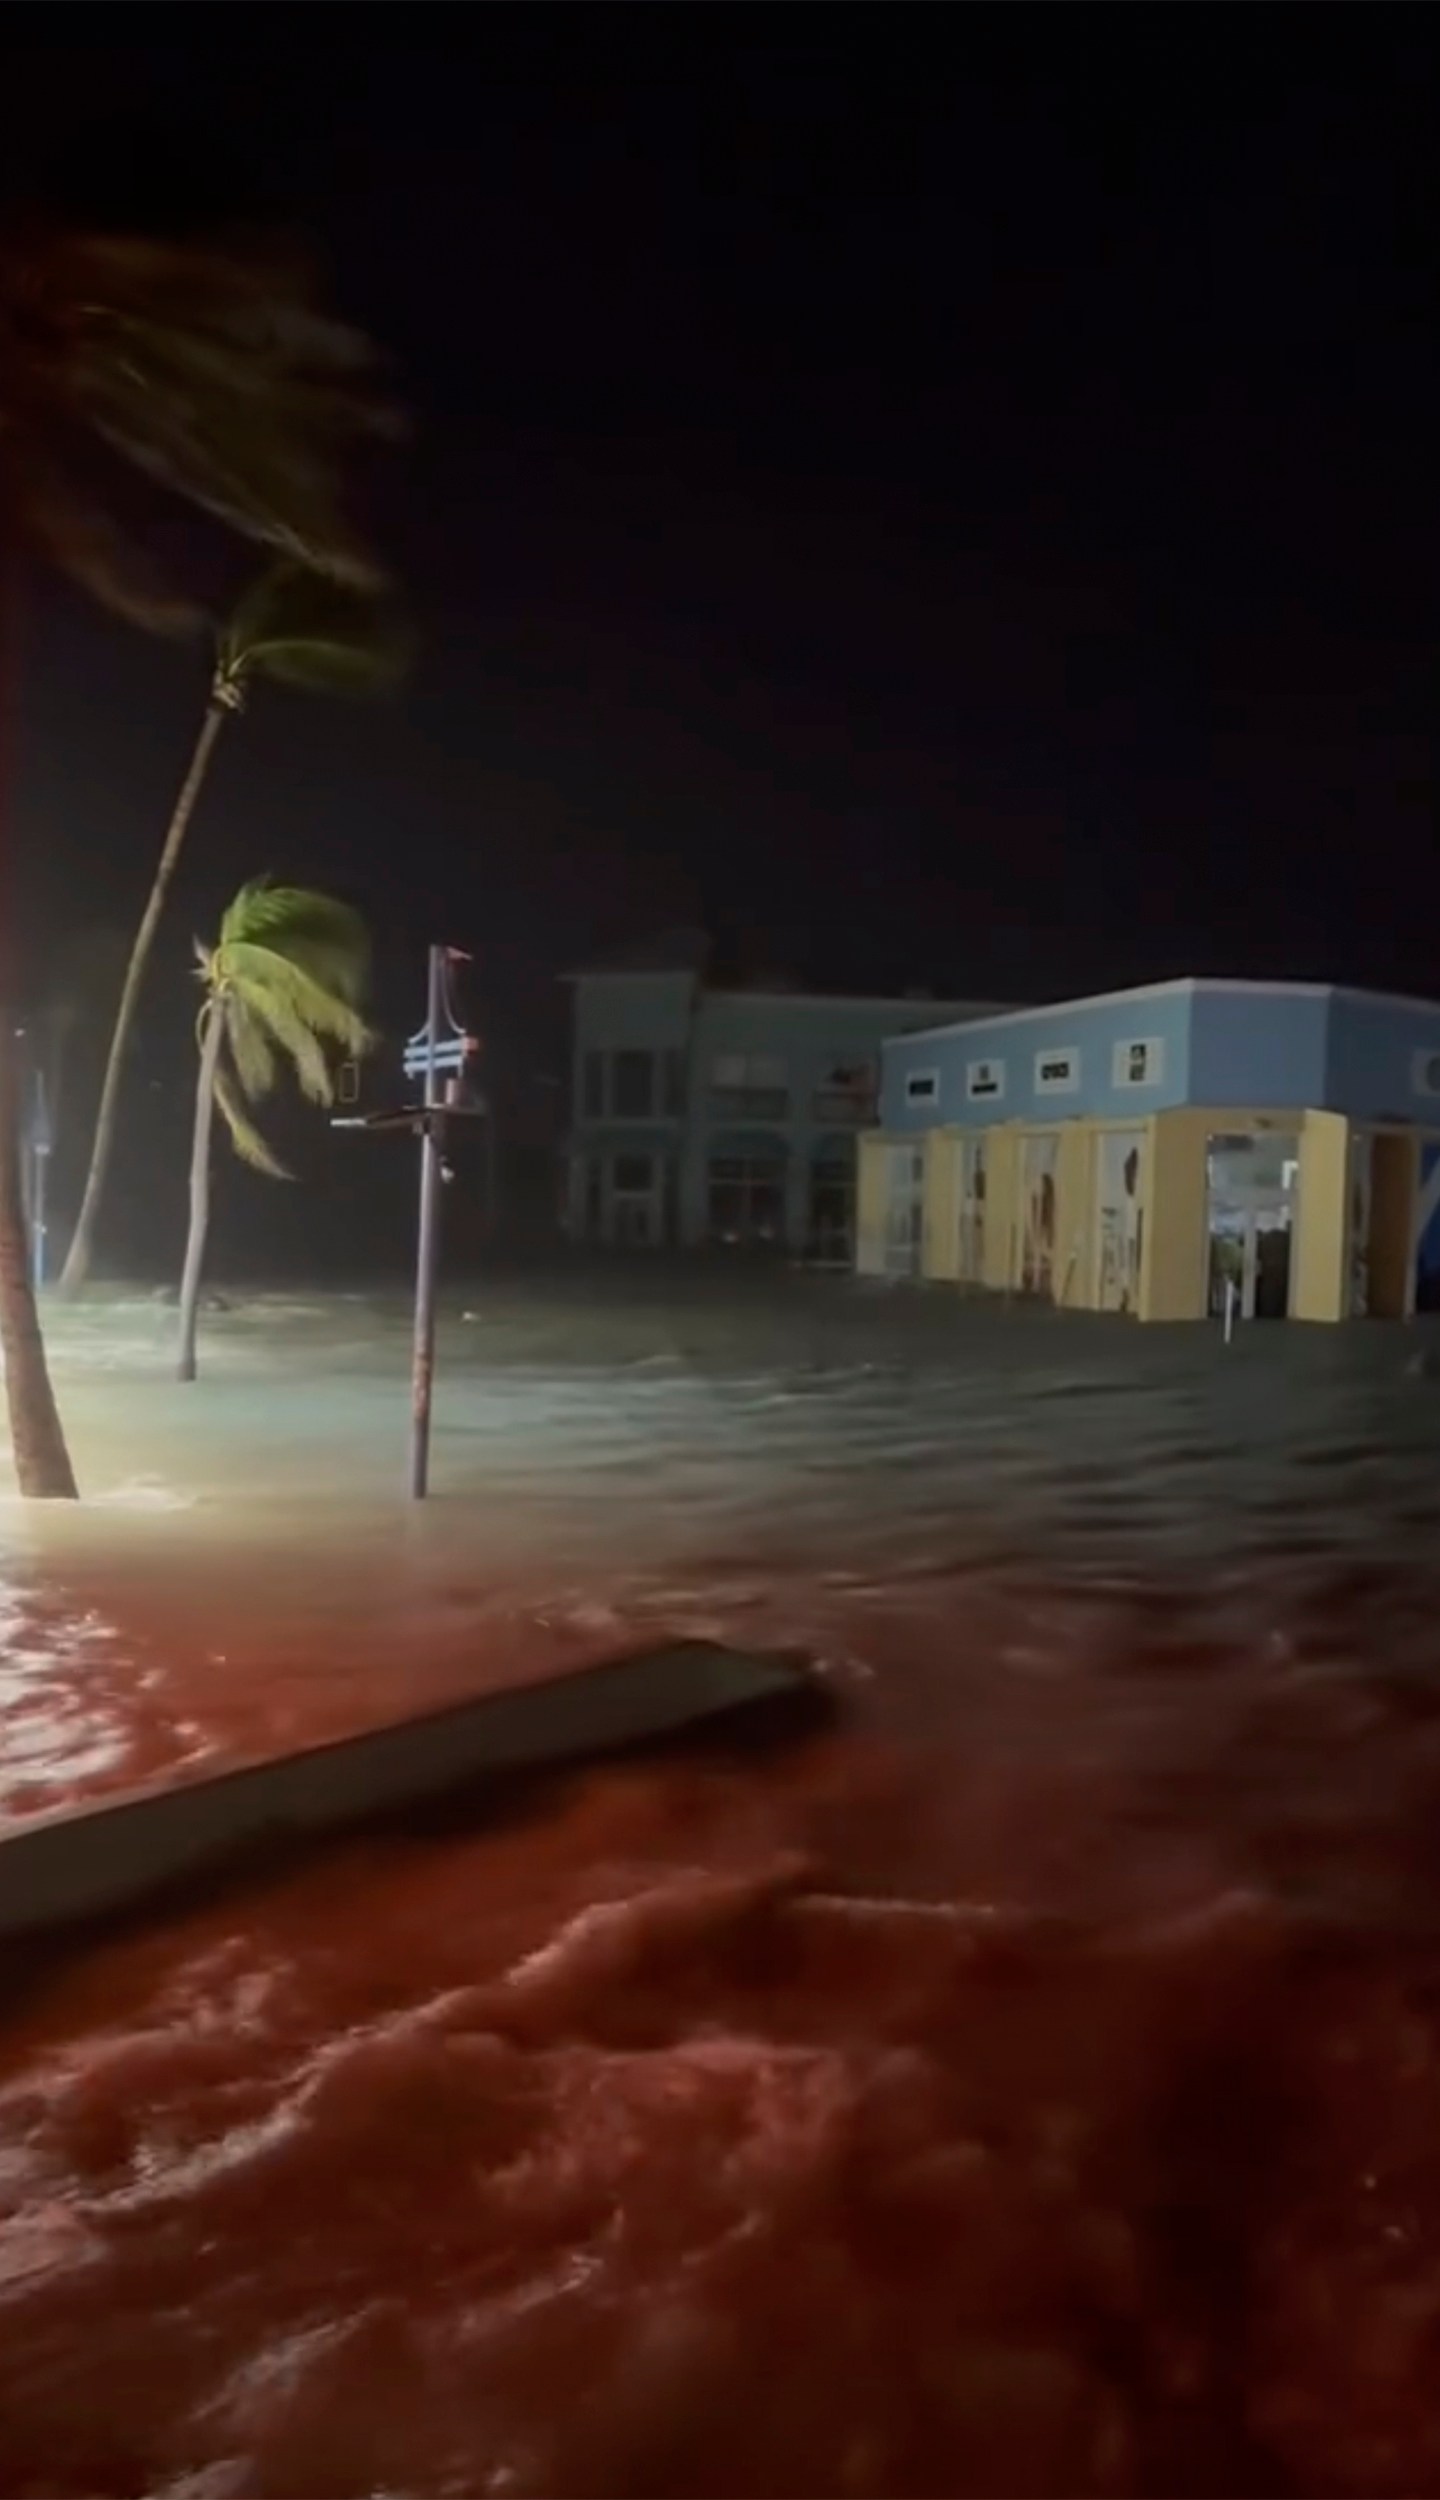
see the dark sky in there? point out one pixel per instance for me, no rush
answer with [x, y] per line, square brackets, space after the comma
[943, 495]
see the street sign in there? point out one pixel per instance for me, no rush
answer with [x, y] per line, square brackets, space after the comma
[447, 1056]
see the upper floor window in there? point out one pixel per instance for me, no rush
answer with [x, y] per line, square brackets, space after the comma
[985, 1080]
[922, 1085]
[1057, 1071]
[750, 1083]
[632, 1084]
[1138, 1063]
[675, 1084]
[594, 1085]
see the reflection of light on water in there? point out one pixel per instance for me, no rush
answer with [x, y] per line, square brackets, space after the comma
[142, 1493]
[60, 1715]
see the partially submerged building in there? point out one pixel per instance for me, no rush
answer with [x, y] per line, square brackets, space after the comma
[710, 1113]
[1143, 1151]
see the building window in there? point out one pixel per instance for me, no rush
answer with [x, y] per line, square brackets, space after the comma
[632, 1176]
[594, 1085]
[1057, 1071]
[749, 1087]
[747, 1198]
[846, 1093]
[985, 1080]
[1425, 1072]
[674, 1084]
[923, 1085]
[1138, 1063]
[632, 1079]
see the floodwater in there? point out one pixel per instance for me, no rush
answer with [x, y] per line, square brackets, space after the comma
[1030, 2084]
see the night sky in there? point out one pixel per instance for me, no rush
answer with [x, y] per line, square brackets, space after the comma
[942, 496]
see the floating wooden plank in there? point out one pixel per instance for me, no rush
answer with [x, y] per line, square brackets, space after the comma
[88, 1862]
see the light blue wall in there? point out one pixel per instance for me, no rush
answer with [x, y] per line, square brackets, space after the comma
[1259, 1050]
[1370, 1064]
[1092, 1028]
[1225, 1047]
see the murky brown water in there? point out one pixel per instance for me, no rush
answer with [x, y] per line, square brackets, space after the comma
[1031, 2084]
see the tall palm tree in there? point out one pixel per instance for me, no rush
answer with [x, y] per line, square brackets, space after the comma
[297, 627]
[283, 983]
[211, 375]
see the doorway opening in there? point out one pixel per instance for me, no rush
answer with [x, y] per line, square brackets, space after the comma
[1251, 1198]
[830, 1211]
[745, 1198]
[905, 1211]
[634, 1202]
[1119, 1218]
[1037, 1240]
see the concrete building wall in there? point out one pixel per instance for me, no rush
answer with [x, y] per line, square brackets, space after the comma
[1055, 1093]
[1074, 1261]
[757, 1100]
[1127, 1055]
[940, 1253]
[1319, 1288]
[1383, 1058]
[1256, 1045]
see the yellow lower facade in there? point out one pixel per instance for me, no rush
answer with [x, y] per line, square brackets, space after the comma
[1113, 1215]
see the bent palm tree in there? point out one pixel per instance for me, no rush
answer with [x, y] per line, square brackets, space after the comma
[291, 625]
[211, 374]
[284, 982]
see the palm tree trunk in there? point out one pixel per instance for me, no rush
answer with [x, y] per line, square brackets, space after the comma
[37, 1437]
[42, 1462]
[77, 1263]
[199, 1188]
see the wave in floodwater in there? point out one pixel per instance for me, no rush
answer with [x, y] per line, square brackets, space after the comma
[1031, 2085]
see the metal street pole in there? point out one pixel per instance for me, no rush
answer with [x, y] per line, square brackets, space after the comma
[422, 1370]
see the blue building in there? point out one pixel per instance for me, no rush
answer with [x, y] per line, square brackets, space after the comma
[706, 1114]
[1161, 1149]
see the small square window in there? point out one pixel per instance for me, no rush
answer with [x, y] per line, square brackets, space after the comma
[922, 1085]
[985, 1080]
[1057, 1071]
[1139, 1062]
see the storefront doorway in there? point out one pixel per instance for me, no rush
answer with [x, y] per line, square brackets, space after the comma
[830, 1212]
[905, 1211]
[1119, 1218]
[1037, 1239]
[1251, 1208]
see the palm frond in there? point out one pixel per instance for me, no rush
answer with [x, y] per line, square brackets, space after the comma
[325, 938]
[289, 1033]
[246, 1139]
[55, 510]
[282, 992]
[315, 633]
[251, 1052]
[211, 372]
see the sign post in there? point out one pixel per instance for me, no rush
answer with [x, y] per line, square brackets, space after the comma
[439, 1054]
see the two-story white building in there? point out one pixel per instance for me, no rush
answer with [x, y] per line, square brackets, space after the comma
[709, 1114]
